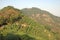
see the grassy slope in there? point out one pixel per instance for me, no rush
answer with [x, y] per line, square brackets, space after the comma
[31, 28]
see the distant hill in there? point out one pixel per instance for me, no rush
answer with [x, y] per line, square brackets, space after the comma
[43, 17]
[28, 24]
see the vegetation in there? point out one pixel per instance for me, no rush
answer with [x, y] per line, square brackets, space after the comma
[15, 25]
[51, 22]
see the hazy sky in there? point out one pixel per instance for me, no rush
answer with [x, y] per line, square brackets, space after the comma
[53, 6]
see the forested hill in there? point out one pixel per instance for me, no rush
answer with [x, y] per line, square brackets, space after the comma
[28, 24]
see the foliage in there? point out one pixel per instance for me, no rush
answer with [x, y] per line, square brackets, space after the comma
[21, 27]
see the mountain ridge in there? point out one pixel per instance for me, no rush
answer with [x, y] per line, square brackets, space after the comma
[45, 18]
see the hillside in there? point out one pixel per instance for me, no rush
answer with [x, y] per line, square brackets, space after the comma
[27, 24]
[51, 22]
